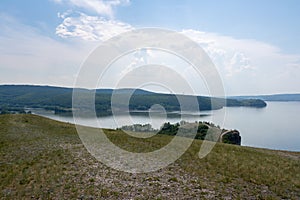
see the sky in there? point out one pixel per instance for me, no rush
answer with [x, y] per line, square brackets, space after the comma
[255, 45]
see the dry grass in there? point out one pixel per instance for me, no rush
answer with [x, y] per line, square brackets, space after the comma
[45, 159]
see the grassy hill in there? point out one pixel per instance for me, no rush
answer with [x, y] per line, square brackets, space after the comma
[45, 159]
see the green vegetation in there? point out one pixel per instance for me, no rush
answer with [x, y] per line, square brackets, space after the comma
[45, 159]
[199, 128]
[246, 102]
[16, 97]
[231, 137]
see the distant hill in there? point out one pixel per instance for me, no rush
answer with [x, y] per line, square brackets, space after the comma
[123, 91]
[59, 99]
[274, 97]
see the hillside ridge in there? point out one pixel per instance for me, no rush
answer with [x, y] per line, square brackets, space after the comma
[18, 97]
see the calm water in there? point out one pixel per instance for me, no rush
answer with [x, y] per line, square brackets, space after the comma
[276, 127]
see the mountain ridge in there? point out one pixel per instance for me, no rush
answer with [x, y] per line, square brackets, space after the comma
[59, 99]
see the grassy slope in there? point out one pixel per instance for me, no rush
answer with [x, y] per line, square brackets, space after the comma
[45, 159]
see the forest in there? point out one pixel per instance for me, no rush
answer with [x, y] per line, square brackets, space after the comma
[18, 98]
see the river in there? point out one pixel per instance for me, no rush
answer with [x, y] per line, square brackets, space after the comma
[276, 126]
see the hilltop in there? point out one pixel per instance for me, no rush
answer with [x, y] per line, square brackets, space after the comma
[45, 159]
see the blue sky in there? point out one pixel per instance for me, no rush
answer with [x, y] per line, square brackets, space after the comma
[254, 44]
[271, 21]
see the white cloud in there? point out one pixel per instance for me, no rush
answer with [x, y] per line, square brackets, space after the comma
[226, 52]
[101, 7]
[250, 66]
[238, 63]
[246, 66]
[91, 28]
